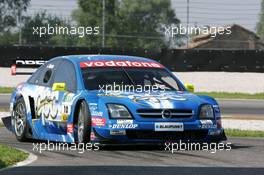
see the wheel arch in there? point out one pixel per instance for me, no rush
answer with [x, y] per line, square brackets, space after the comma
[76, 115]
[16, 97]
[76, 108]
[28, 132]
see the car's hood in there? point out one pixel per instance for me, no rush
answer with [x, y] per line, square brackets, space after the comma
[157, 100]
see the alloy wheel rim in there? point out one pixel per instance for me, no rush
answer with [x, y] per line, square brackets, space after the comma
[20, 119]
[80, 127]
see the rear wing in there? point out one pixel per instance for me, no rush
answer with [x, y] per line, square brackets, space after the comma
[25, 67]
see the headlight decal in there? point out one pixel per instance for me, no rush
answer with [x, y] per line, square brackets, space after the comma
[118, 111]
[206, 112]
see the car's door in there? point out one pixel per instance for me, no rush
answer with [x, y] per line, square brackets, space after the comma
[42, 99]
[65, 77]
[52, 106]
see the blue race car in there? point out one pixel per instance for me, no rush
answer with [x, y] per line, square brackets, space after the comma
[111, 99]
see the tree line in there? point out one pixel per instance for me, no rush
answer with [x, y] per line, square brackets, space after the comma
[131, 24]
[127, 23]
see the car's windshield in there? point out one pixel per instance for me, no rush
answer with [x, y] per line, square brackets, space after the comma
[122, 78]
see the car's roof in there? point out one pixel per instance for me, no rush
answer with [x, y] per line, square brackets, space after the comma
[81, 58]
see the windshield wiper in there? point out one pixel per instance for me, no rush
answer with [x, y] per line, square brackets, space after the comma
[128, 76]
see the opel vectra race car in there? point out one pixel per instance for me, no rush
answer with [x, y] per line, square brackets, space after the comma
[111, 99]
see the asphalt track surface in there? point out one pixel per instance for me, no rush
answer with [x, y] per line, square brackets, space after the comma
[245, 157]
[245, 107]
[254, 107]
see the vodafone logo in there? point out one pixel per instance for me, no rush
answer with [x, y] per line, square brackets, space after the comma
[120, 63]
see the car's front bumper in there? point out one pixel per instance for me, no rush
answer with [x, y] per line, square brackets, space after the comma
[145, 133]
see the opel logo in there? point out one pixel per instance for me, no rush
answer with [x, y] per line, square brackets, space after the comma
[166, 114]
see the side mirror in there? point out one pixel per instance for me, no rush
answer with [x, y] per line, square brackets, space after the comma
[189, 87]
[58, 87]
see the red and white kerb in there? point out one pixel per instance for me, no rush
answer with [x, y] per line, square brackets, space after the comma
[120, 63]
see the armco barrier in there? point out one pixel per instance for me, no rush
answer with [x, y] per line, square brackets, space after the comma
[175, 59]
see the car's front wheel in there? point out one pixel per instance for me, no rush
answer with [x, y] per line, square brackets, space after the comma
[20, 120]
[83, 123]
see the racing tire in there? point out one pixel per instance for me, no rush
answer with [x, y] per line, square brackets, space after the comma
[83, 123]
[20, 120]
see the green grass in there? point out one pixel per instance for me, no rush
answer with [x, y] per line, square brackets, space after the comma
[10, 156]
[232, 95]
[243, 133]
[1, 125]
[6, 90]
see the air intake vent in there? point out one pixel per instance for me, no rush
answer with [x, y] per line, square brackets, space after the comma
[165, 113]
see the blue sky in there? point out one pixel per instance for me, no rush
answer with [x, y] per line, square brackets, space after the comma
[202, 12]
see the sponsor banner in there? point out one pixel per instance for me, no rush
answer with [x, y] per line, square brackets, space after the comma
[30, 62]
[64, 117]
[206, 123]
[93, 106]
[214, 132]
[68, 97]
[123, 126]
[117, 132]
[70, 128]
[122, 122]
[98, 121]
[96, 113]
[120, 63]
[94, 110]
[166, 126]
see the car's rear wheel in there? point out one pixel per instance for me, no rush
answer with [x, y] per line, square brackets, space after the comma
[20, 120]
[83, 123]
